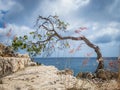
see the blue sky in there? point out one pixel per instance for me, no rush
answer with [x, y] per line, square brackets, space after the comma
[101, 17]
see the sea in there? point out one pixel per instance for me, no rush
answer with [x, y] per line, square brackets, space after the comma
[79, 64]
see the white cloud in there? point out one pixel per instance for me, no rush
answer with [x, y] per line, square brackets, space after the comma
[81, 2]
[113, 24]
[108, 32]
[20, 30]
[68, 6]
[61, 7]
[15, 31]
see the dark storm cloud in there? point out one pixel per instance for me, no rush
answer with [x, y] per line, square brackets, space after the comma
[22, 11]
[101, 10]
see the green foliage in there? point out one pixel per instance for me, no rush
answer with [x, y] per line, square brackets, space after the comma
[29, 46]
[25, 37]
[32, 32]
[17, 43]
[62, 25]
[39, 36]
[67, 45]
[34, 49]
[32, 45]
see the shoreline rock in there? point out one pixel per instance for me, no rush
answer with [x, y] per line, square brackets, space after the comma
[101, 74]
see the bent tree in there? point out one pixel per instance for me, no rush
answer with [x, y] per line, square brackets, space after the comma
[47, 34]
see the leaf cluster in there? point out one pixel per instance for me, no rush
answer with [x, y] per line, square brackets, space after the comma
[26, 44]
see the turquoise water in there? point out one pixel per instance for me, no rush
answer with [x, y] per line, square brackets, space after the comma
[76, 64]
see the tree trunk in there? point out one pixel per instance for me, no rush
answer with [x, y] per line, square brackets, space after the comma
[99, 54]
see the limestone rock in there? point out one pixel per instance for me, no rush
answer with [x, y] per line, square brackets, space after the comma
[22, 55]
[79, 75]
[41, 78]
[32, 63]
[46, 78]
[6, 68]
[87, 75]
[12, 64]
[66, 72]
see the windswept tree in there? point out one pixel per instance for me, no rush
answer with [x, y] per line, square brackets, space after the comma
[47, 34]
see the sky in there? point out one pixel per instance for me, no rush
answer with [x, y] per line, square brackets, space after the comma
[101, 17]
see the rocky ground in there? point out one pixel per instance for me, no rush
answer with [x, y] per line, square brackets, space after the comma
[49, 78]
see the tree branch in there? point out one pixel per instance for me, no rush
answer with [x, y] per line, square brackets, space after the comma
[46, 20]
[46, 40]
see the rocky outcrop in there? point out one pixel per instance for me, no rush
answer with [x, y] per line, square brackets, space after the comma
[6, 51]
[10, 65]
[106, 75]
[11, 62]
[65, 72]
[87, 75]
[100, 74]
